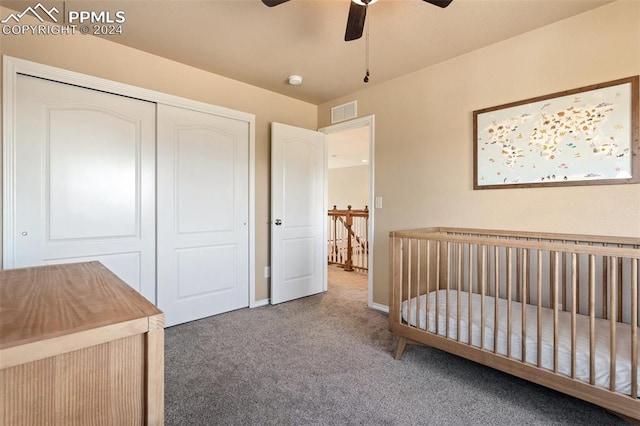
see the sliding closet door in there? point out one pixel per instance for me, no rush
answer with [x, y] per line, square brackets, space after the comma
[203, 214]
[83, 181]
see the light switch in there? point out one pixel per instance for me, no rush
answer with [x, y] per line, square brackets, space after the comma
[378, 202]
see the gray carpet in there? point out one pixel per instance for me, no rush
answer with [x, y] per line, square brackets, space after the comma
[327, 360]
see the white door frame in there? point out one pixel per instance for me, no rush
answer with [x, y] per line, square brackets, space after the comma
[14, 66]
[368, 120]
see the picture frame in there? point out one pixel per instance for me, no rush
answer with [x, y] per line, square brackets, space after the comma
[583, 136]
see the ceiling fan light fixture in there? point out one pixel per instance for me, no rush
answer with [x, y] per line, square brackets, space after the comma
[295, 80]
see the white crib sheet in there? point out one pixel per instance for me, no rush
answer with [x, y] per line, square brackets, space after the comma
[602, 332]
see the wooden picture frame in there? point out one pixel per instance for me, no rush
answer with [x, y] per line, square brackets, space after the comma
[584, 136]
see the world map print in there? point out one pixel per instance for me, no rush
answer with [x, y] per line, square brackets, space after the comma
[583, 136]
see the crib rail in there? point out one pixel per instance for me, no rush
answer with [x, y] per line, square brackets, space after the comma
[544, 296]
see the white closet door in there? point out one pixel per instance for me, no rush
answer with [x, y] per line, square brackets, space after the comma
[83, 181]
[203, 213]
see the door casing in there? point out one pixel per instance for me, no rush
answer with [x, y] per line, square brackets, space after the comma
[368, 120]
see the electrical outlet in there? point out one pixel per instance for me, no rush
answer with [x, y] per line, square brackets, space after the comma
[267, 272]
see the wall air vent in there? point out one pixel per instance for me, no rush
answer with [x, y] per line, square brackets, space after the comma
[344, 112]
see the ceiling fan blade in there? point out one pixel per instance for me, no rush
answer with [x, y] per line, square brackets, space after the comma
[272, 3]
[440, 3]
[355, 22]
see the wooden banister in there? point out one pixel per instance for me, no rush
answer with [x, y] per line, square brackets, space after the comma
[345, 227]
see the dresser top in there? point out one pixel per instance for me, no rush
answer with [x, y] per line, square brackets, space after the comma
[43, 302]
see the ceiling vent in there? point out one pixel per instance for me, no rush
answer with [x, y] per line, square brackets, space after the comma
[344, 112]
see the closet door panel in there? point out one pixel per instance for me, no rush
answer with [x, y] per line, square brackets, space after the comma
[203, 210]
[84, 180]
[92, 169]
[205, 167]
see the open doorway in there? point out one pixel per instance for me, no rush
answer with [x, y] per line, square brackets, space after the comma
[349, 197]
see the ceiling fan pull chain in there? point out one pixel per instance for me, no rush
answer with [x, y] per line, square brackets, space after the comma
[366, 52]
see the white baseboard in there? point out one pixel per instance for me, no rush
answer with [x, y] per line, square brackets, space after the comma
[259, 303]
[379, 307]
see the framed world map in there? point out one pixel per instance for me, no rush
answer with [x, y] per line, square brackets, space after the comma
[583, 136]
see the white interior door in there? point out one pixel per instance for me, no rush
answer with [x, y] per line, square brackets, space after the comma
[203, 214]
[83, 181]
[298, 209]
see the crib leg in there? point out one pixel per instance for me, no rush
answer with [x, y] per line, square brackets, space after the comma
[402, 343]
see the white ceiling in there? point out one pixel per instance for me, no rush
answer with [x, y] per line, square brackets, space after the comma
[247, 41]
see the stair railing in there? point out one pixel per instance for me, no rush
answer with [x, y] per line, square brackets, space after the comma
[349, 238]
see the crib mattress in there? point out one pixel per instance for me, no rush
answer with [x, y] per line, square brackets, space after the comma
[602, 333]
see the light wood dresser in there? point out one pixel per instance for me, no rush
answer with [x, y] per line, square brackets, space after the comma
[78, 346]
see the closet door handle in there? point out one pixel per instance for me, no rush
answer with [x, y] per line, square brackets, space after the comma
[278, 222]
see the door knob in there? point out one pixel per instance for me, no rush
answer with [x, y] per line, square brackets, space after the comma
[278, 222]
[25, 233]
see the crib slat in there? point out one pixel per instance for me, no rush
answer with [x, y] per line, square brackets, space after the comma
[620, 289]
[552, 270]
[437, 328]
[460, 260]
[483, 284]
[448, 283]
[577, 299]
[418, 281]
[395, 255]
[605, 299]
[612, 323]
[526, 294]
[524, 311]
[574, 311]
[518, 275]
[496, 296]
[409, 243]
[509, 285]
[554, 285]
[592, 319]
[539, 311]
[469, 294]
[634, 328]
[563, 274]
[428, 274]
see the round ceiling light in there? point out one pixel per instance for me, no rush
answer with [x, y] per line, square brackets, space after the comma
[295, 80]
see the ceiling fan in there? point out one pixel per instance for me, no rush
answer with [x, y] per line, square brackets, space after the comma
[357, 14]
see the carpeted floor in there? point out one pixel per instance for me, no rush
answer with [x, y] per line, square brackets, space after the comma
[327, 360]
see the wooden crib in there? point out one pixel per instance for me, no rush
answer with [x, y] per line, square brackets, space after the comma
[558, 310]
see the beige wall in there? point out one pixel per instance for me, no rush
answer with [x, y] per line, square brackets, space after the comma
[423, 166]
[423, 147]
[349, 186]
[106, 59]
